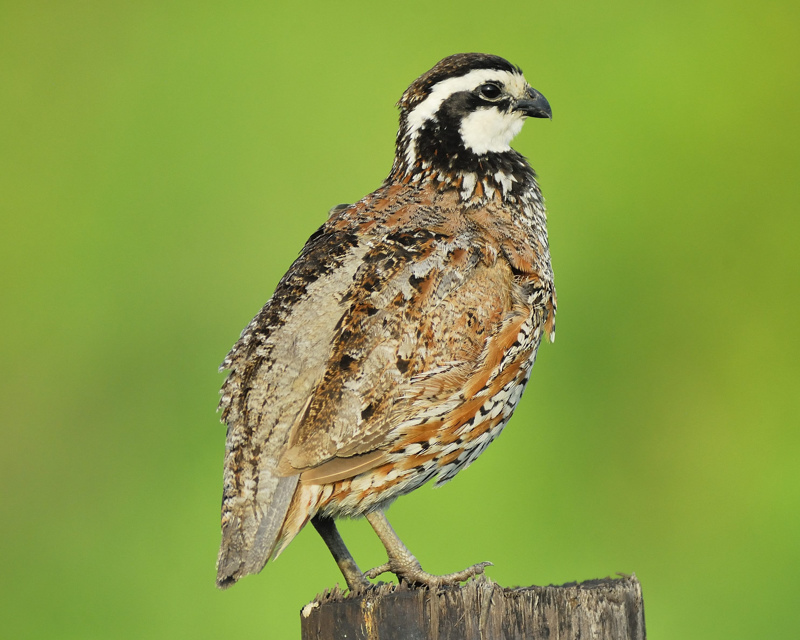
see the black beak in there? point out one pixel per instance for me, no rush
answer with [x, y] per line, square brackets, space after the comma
[536, 106]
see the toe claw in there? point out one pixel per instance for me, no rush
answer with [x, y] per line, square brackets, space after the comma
[376, 571]
[416, 576]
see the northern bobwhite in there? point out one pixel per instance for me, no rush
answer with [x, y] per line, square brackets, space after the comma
[398, 344]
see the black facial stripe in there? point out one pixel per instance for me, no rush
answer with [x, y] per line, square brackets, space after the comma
[440, 137]
[501, 104]
[439, 142]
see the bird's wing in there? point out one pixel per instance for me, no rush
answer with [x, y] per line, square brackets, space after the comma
[274, 367]
[429, 318]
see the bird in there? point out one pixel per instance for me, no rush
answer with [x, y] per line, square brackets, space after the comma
[399, 342]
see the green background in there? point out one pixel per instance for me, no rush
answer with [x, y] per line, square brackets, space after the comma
[162, 164]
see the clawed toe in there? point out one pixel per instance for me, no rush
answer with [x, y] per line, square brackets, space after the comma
[414, 575]
[431, 580]
[376, 571]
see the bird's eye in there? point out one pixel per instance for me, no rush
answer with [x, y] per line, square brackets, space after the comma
[490, 91]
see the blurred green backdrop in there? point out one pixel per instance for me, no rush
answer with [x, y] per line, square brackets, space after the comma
[162, 164]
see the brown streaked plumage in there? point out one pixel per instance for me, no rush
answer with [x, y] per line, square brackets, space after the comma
[397, 346]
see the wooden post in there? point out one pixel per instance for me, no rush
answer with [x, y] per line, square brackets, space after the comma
[605, 609]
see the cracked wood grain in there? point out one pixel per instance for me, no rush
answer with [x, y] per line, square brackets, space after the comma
[603, 609]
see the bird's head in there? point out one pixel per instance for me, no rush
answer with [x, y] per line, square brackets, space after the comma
[461, 116]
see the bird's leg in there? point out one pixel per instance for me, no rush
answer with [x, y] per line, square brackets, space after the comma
[326, 528]
[404, 565]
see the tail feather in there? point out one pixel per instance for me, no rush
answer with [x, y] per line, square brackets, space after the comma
[252, 528]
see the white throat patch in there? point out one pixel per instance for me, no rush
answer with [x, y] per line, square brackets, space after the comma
[489, 129]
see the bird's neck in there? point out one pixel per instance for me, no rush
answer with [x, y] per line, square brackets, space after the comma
[500, 176]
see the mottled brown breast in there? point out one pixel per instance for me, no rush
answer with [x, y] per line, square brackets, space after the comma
[437, 303]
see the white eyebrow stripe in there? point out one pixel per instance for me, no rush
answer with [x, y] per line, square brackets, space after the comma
[425, 110]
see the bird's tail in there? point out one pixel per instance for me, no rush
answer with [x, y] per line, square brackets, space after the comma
[253, 516]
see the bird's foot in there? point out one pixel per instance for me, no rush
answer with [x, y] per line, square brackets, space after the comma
[410, 570]
[404, 565]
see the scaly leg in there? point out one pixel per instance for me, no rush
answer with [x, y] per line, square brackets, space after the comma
[347, 565]
[404, 565]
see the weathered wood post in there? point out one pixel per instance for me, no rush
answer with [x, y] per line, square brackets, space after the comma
[605, 609]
